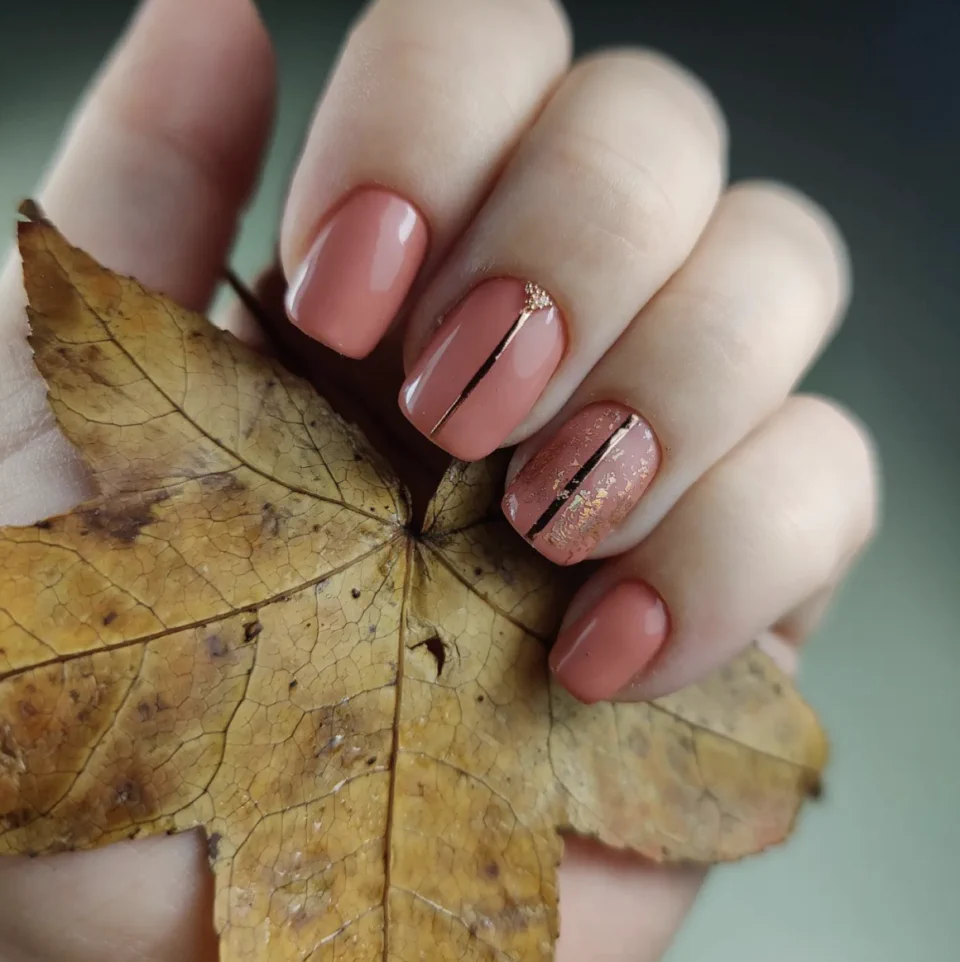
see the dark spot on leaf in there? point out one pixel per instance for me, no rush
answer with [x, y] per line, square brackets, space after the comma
[354, 592]
[109, 618]
[251, 630]
[436, 648]
[128, 793]
[491, 870]
[477, 572]
[44, 525]
[216, 646]
[97, 377]
[122, 520]
[293, 684]
[480, 699]
[74, 695]
[372, 761]
[316, 528]
[271, 519]
[15, 819]
[224, 482]
[213, 846]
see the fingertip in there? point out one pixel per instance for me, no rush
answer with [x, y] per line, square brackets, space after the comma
[609, 648]
[352, 282]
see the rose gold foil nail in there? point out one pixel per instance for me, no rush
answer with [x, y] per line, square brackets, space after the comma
[583, 482]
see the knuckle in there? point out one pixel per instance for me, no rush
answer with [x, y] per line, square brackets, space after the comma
[800, 222]
[855, 455]
[627, 71]
[623, 202]
[460, 33]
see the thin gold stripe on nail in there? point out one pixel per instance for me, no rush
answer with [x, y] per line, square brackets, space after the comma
[537, 299]
[571, 486]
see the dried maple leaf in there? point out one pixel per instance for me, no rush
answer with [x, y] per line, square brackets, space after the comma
[242, 632]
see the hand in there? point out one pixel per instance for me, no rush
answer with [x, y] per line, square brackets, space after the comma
[684, 312]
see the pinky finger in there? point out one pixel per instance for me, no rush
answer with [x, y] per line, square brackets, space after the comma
[757, 543]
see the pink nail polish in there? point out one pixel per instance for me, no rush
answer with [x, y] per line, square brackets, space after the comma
[354, 279]
[485, 367]
[583, 482]
[603, 652]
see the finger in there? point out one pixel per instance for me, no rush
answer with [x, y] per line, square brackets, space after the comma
[151, 901]
[427, 99]
[150, 180]
[716, 352]
[763, 531]
[144, 901]
[615, 908]
[602, 202]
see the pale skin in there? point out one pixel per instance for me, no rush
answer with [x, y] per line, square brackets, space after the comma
[697, 303]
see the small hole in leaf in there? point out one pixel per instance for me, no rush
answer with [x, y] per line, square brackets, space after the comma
[436, 648]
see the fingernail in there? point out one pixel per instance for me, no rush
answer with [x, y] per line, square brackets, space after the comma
[356, 276]
[606, 649]
[583, 481]
[485, 367]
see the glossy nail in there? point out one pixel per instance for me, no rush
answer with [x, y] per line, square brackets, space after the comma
[356, 276]
[609, 647]
[583, 482]
[485, 367]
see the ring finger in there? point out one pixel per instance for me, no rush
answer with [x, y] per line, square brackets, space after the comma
[715, 353]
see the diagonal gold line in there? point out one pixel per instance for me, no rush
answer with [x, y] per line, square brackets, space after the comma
[537, 299]
[592, 462]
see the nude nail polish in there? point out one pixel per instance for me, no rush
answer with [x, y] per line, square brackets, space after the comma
[357, 274]
[611, 645]
[583, 482]
[485, 367]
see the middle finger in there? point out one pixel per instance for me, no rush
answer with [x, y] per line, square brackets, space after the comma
[602, 202]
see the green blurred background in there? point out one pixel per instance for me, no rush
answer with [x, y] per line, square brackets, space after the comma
[857, 104]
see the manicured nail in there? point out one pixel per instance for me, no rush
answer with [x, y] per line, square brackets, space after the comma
[356, 276]
[583, 481]
[485, 367]
[603, 652]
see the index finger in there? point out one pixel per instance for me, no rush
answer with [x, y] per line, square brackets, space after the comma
[150, 181]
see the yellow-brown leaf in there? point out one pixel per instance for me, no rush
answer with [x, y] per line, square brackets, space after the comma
[241, 632]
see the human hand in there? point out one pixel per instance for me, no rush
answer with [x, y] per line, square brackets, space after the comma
[602, 185]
